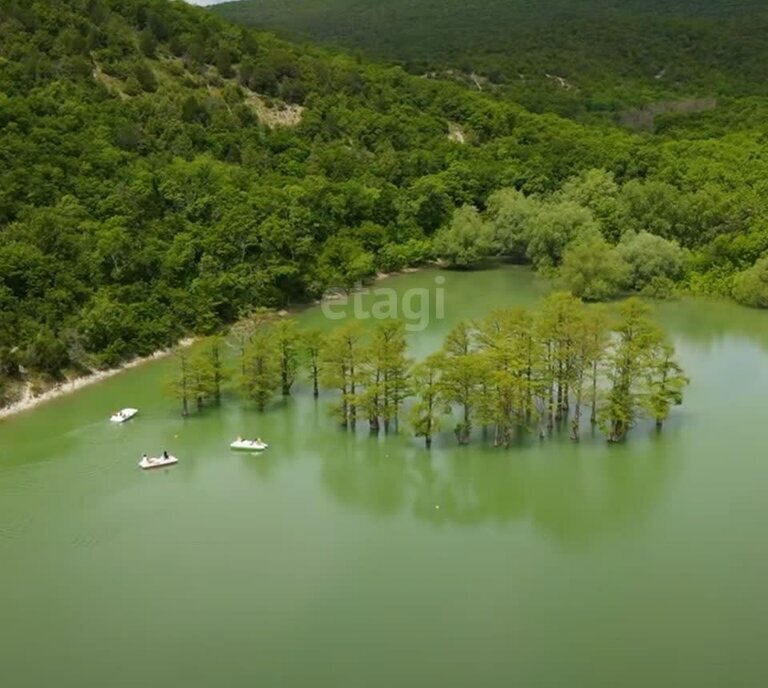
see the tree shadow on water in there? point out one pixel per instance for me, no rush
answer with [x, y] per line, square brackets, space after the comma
[573, 493]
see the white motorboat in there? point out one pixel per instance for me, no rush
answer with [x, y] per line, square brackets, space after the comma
[248, 445]
[148, 462]
[124, 415]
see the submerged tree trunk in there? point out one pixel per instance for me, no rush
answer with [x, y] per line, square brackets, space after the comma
[551, 409]
[351, 405]
[618, 431]
[593, 413]
[344, 408]
[464, 427]
[576, 422]
[184, 384]
[285, 384]
[528, 390]
[218, 374]
[502, 435]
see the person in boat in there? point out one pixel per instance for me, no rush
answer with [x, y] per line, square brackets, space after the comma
[165, 454]
[144, 458]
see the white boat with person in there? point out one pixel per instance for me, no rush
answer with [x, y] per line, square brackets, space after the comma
[166, 459]
[249, 445]
[124, 415]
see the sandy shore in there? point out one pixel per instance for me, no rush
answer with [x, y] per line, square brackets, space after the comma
[29, 401]
[405, 271]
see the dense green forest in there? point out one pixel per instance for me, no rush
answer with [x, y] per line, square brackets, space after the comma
[165, 172]
[580, 58]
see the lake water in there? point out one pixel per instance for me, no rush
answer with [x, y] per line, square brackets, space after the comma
[343, 560]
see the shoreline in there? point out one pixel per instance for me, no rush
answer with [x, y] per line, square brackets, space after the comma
[338, 293]
[30, 401]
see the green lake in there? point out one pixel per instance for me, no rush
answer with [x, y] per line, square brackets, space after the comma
[349, 561]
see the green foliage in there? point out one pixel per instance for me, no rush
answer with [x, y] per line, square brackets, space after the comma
[512, 372]
[666, 383]
[583, 59]
[426, 412]
[287, 343]
[394, 257]
[461, 379]
[553, 228]
[262, 368]
[9, 363]
[385, 375]
[165, 173]
[208, 371]
[750, 287]
[146, 77]
[342, 367]
[513, 217]
[659, 288]
[633, 362]
[649, 256]
[311, 347]
[47, 353]
[345, 262]
[592, 269]
[466, 240]
[597, 191]
[198, 373]
[181, 382]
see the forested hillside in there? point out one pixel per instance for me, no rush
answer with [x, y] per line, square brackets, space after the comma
[580, 58]
[164, 172]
